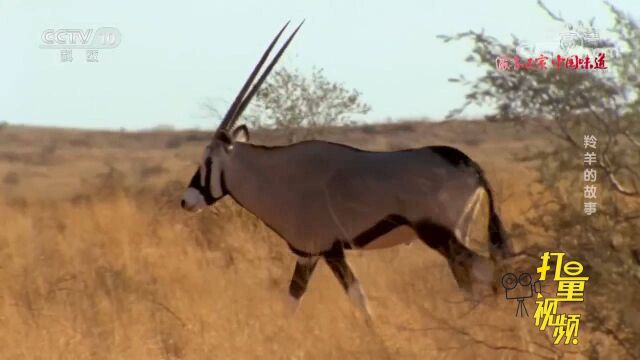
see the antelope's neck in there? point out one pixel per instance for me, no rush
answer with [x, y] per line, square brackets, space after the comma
[251, 177]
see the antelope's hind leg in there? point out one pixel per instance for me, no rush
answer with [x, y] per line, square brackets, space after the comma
[468, 268]
[338, 264]
[300, 279]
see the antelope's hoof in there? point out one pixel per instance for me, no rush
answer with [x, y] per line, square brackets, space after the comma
[357, 295]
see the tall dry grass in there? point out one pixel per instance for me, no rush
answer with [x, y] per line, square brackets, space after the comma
[116, 278]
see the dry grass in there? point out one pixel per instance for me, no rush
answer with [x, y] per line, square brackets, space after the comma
[96, 261]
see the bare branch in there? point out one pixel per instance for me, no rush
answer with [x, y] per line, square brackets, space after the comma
[167, 309]
[614, 180]
[631, 138]
[550, 13]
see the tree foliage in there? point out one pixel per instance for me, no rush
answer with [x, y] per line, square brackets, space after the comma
[304, 105]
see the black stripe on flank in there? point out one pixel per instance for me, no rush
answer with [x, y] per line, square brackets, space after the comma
[294, 250]
[382, 227]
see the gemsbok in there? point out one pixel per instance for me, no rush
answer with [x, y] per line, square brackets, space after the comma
[323, 198]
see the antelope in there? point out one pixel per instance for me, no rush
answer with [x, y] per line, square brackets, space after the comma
[323, 198]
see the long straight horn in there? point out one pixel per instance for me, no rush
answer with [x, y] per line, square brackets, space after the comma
[236, 103]
[264, 75]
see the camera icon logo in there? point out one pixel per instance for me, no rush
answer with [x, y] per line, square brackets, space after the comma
[520, 288]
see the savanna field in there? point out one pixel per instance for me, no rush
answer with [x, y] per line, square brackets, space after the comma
[98, 261]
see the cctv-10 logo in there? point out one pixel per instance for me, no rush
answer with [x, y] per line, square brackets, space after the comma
[101, 38]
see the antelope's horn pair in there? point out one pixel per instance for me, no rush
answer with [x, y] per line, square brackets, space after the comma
[245, 95]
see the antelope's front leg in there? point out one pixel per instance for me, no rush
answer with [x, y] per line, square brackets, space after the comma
[338, 264]
[300, 279]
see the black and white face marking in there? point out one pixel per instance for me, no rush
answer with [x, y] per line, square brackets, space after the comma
[206, 186]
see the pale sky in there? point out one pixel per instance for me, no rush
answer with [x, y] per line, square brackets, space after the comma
[174, 55]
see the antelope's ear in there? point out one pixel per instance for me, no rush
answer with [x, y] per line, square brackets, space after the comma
[241, 133]
[226, 139]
